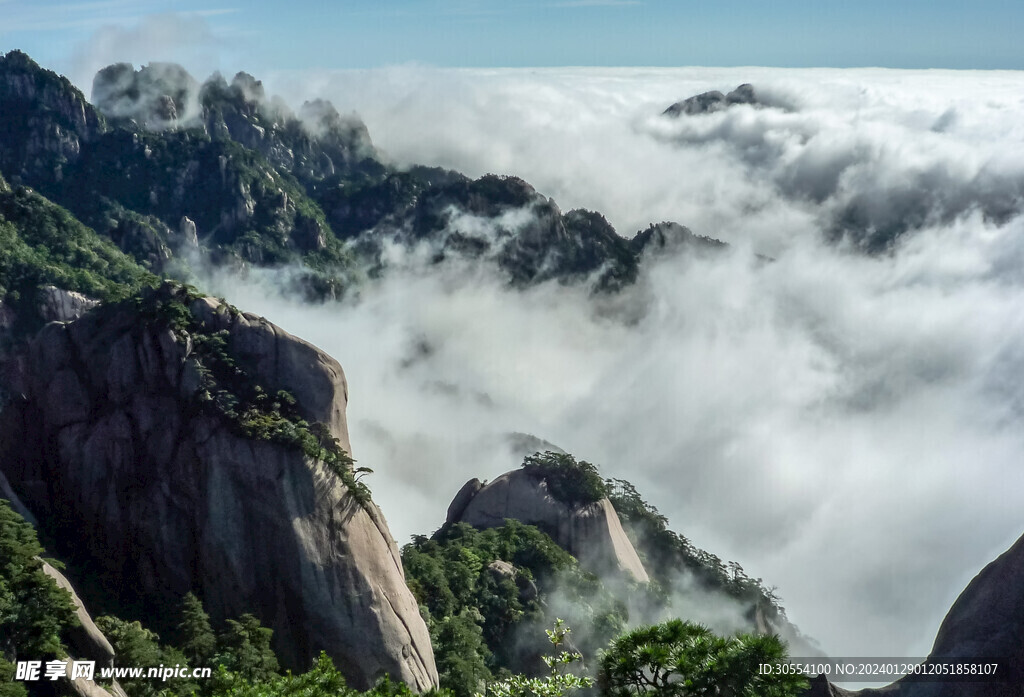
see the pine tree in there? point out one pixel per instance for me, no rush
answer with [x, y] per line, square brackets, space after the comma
[244, 649]
[197, 640]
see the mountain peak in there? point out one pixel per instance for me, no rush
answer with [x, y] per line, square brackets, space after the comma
[709, 102]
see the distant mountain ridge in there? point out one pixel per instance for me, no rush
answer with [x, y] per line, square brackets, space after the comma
[163, 163]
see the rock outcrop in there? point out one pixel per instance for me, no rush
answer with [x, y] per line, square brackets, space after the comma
[268, 186]
[156, 96]
[669, 238]
[46, 121]
[592, 533]
[155, 495]
[986, 623]
[709, 102]
[86, 641]
[314, 144]
[59, 305]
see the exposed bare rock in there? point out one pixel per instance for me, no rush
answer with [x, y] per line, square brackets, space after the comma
[591, 533]
[59, 305]
[502, 569]
[458, 505]
[709, 102]
[61, 120]
[113, 451]
[187, 230]
[143, 237]
[86, 641]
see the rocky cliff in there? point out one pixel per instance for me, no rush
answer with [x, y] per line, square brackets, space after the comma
[175, 444]
[317, 142]
[261, 184]
[710, 102]
[592, 533]
[45, 123]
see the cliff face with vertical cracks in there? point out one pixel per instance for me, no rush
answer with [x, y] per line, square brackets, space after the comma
[146, 474]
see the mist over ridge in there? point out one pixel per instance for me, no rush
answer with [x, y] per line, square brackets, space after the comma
[841, 424]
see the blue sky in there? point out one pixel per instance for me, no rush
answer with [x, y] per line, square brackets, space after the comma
[264, 35]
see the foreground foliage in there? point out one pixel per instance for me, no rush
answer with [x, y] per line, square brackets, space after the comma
[681, 659]
[673, 659]
[559, 680]
[35, 613]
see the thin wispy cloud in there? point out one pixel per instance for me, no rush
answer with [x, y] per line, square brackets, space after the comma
[33, 16]
[598, 3]
[20, 16]
[187, 38]
[212, 12]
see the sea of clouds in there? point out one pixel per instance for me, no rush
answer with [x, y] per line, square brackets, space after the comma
[847, 426]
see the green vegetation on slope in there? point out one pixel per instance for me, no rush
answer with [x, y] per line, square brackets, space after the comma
[266, 188]
[558, 682]
[575, 483]
[452, 579]
[483, 617]
[667, 555]
[34, 613]
[673, 659]
[670, 558]
[239, 655]
[42, 243]
[228, 390]
[241, 204]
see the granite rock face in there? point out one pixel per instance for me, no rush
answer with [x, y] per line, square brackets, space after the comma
[592, 533]
[47, 121]
[59, 305]
[107, 446]
[86, 641]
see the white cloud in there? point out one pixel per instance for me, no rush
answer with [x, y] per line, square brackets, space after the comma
[185, 38]
[846, 427]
